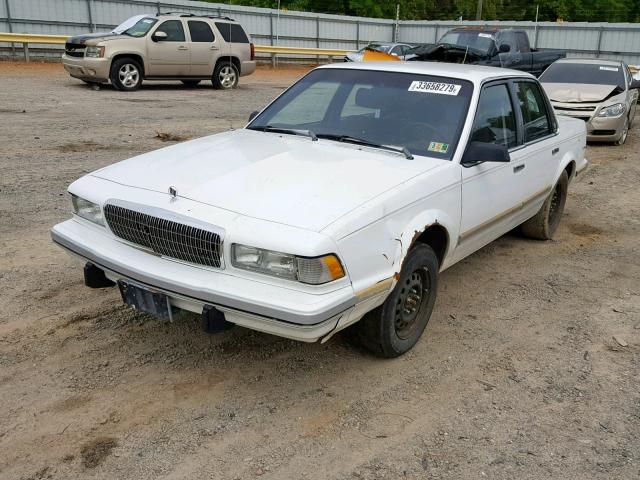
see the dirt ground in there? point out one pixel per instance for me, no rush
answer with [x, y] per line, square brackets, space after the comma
[518, 375]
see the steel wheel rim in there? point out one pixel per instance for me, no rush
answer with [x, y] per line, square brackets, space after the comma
[413, 296]
[227, 76]
[129, 75]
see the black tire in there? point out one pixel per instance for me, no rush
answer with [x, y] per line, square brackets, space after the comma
[543, 224]
[225, 76]
[625, 132]
[191, 83]
[396, 326]
[126, 74]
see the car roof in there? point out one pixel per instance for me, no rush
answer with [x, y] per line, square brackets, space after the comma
[194, 16]
[590, 61]
[474, 73]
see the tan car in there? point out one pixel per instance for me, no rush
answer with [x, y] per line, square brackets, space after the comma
[181, 47]
[603, 93]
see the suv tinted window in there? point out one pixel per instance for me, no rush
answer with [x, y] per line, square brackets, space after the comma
[495, 120]
[232, 32]
[173, 29]
[534, 111]
[200, 31]
[523, 42]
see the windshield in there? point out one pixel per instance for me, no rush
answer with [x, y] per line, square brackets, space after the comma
[423, 113]
[141, 27]
[476, 40]
[585, 73]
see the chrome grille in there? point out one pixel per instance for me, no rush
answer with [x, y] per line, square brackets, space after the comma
[165, 237]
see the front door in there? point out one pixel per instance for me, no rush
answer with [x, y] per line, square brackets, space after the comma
[168, 57]
[490, 190]
[204, 48]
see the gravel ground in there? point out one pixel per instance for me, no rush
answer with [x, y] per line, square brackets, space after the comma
[518, 374]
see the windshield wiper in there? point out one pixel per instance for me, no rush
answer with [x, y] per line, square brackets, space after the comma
[361, 141]
[289, 131]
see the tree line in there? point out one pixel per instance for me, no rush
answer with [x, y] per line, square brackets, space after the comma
[549, 10]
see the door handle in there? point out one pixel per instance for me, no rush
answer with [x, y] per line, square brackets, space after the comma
[517, 168]
[181, 47]
[555, 150]
[214, 47]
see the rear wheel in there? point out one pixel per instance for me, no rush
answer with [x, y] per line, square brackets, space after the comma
[190, 83]
[543, 225]
[396, 326]
[225, 76]
[126, 74]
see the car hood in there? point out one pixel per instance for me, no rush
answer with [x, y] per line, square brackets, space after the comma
[579, 92]
[281, 178]
[92, 38]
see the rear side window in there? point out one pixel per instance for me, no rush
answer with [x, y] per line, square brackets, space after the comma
[523, 42]
[173, 29]
[232, 32]
[200, 31]
[534, 111]
[495, 120]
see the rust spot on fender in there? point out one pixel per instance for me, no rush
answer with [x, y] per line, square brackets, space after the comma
[396, 276]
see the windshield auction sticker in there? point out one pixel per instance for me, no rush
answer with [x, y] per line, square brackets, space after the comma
[435, 87]
[609, 69]
[438, 147]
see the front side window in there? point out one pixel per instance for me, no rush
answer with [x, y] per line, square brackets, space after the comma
[200, 31]
[534, 111]
[423, 113]
[173, 29]
[495, 120]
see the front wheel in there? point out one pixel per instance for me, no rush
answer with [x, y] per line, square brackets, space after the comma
[126, 74]
[543, 225]
[625, 133]
[225, 76]
[396, 326]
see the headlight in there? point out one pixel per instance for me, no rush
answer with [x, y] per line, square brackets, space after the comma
[87, 210]
[315, 270]
[94, 52]
[612, 111]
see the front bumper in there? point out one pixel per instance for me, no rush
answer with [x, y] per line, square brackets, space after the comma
[90, 69]
[260, 306]
[605, 129]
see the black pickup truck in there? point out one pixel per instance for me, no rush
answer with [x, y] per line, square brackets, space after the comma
[506, 48]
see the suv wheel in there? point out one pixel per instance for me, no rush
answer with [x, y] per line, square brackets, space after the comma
[126, 74]
[225, 76]
[396, 326]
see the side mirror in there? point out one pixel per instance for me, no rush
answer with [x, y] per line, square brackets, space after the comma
[159, 36]
[479, 152]
[504, 48]
[634, 84]
[253, 114]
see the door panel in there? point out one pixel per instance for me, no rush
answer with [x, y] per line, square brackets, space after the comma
[204, 48]
[490, 193]
[169, 57]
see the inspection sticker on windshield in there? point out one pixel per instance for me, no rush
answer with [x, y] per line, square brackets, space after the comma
[438, 147]
[485, 35]
[435, 87]
[609, 69]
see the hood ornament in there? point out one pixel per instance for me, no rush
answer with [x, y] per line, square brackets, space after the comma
[173, 192]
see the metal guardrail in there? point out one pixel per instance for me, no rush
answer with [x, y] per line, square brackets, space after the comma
[28, 38]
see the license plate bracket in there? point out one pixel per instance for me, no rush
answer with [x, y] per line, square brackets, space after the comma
[145, 299]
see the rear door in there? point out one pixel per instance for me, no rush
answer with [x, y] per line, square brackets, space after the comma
[169, 57]
[536, 162]
[204, 48]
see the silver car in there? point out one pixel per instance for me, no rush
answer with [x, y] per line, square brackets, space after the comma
[603, 93]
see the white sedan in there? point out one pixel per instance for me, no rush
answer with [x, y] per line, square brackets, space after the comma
[337, 206]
